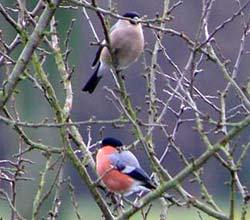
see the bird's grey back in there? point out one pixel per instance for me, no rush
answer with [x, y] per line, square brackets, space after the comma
[125, 157]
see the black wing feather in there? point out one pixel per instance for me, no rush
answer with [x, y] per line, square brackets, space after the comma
[97, 56]
[141, 176]
[131, 168]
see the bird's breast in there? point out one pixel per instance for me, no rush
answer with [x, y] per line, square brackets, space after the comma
[127, 44]
[114, 180]
[117, 181]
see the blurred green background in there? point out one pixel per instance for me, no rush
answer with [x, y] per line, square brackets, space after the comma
[33, 107]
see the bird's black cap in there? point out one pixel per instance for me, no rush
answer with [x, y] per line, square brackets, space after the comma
[131, 14]
[111, 142]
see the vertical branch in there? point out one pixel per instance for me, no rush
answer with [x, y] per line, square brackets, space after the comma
[41, 187]
[153, 66]
[232, 196]
[164, 210]
[66, 108]
[152, 88]
[19, 167]
[74, 201]
[21, 14]
[57, 202]
[151, 85]
[62, 69]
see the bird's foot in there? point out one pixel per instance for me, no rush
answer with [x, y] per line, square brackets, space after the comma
[110, 198]
[118, 205]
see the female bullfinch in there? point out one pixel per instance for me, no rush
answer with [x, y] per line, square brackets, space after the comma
[126, 42]
[121, 171]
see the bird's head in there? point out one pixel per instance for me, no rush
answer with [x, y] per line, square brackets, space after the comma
[133, 15]
[110, 141]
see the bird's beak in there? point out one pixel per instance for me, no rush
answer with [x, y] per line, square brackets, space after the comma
[136, 20]
[121, 148]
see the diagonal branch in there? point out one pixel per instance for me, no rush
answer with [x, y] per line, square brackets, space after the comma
[188, 170]
[27, 52]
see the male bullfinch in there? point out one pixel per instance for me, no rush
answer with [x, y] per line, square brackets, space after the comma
[126, 42]
[120, 171]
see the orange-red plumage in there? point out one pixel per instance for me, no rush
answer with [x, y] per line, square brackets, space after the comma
[120, 170]
[113, 179]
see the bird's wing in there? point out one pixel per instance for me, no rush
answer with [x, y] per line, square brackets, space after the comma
[98, 53]
[124, 157]
[139, 175]
[97, 56]
[127, 163]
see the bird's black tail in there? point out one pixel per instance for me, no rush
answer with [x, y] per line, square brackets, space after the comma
[92, 82]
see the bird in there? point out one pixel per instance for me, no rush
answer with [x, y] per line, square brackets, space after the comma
[126, 44]
[119, 170]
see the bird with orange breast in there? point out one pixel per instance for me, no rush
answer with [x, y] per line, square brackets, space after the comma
[120, 171]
